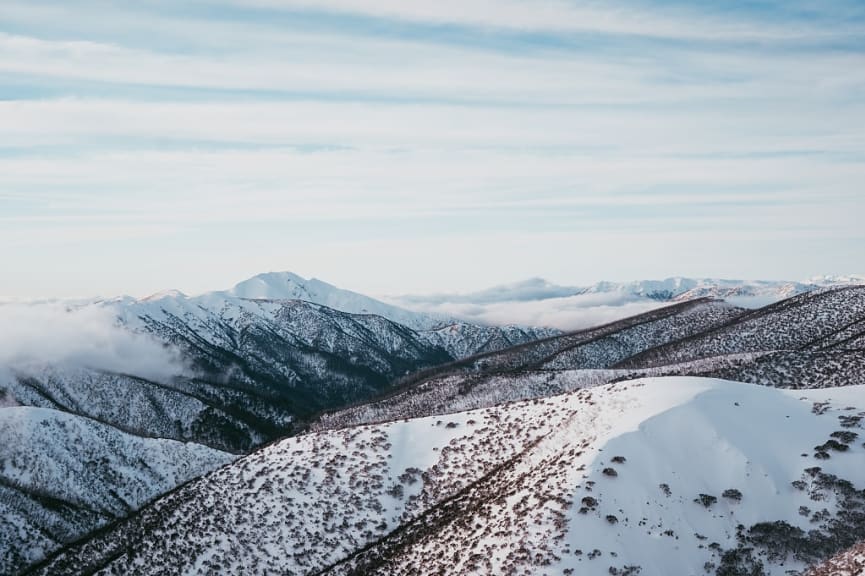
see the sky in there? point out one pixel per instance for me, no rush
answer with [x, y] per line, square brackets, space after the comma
[397, 146]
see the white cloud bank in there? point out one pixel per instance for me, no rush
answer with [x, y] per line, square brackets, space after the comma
[565, 313]
[35, 335]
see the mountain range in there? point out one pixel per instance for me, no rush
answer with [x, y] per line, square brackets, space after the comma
[250, 363]
[274, 358]
[539, 302]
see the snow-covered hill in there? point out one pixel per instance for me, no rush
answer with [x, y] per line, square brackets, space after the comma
[61, 476]
[822, 320]
[462, 340]
[550, 366]
[812, 340]
[656, 477]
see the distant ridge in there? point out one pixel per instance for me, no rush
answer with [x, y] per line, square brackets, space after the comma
[673, 288]
[538, 302]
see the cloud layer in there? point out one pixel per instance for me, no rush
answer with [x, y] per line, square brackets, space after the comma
[534, 308]
[36, 335]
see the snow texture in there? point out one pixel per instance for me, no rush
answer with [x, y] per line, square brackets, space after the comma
[62, 475]
[657, 474]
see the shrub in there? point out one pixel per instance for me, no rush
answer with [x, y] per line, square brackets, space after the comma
[732, 494]
[831, 444]
[396, 491]
[619, 459]
[706, 500]
[845, 436]
[611, 472]
[849, 421]
[820, 408]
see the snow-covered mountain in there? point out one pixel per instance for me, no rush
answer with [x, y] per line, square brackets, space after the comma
[538, 302]
[248, 369]
[226, 370]
[244, 364]
[289, 286]
[650, 477]
[675, 288]
[234, 373]
[462, 340]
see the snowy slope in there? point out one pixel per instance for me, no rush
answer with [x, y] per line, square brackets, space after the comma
[551, 366]
[825, 319]
[62, 475]
[591, 482]
[462, 340]
[813, 340]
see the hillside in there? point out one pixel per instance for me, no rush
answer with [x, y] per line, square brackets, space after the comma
[462, 340]
[821, 320]
[541, 368]
[62, 475]
[809, 341]
[598, 346]
[598, 481]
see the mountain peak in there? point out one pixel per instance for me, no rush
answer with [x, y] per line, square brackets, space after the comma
[164, 294]
[290, 286]
[273, 286]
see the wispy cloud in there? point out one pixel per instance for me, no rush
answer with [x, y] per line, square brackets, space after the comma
[641, 19]
[152, 131]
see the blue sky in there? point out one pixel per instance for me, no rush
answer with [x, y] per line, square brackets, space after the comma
[392, 146]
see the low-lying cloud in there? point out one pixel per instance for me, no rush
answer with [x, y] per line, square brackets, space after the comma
[36, 335]
[568, 313]
[527, 290]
